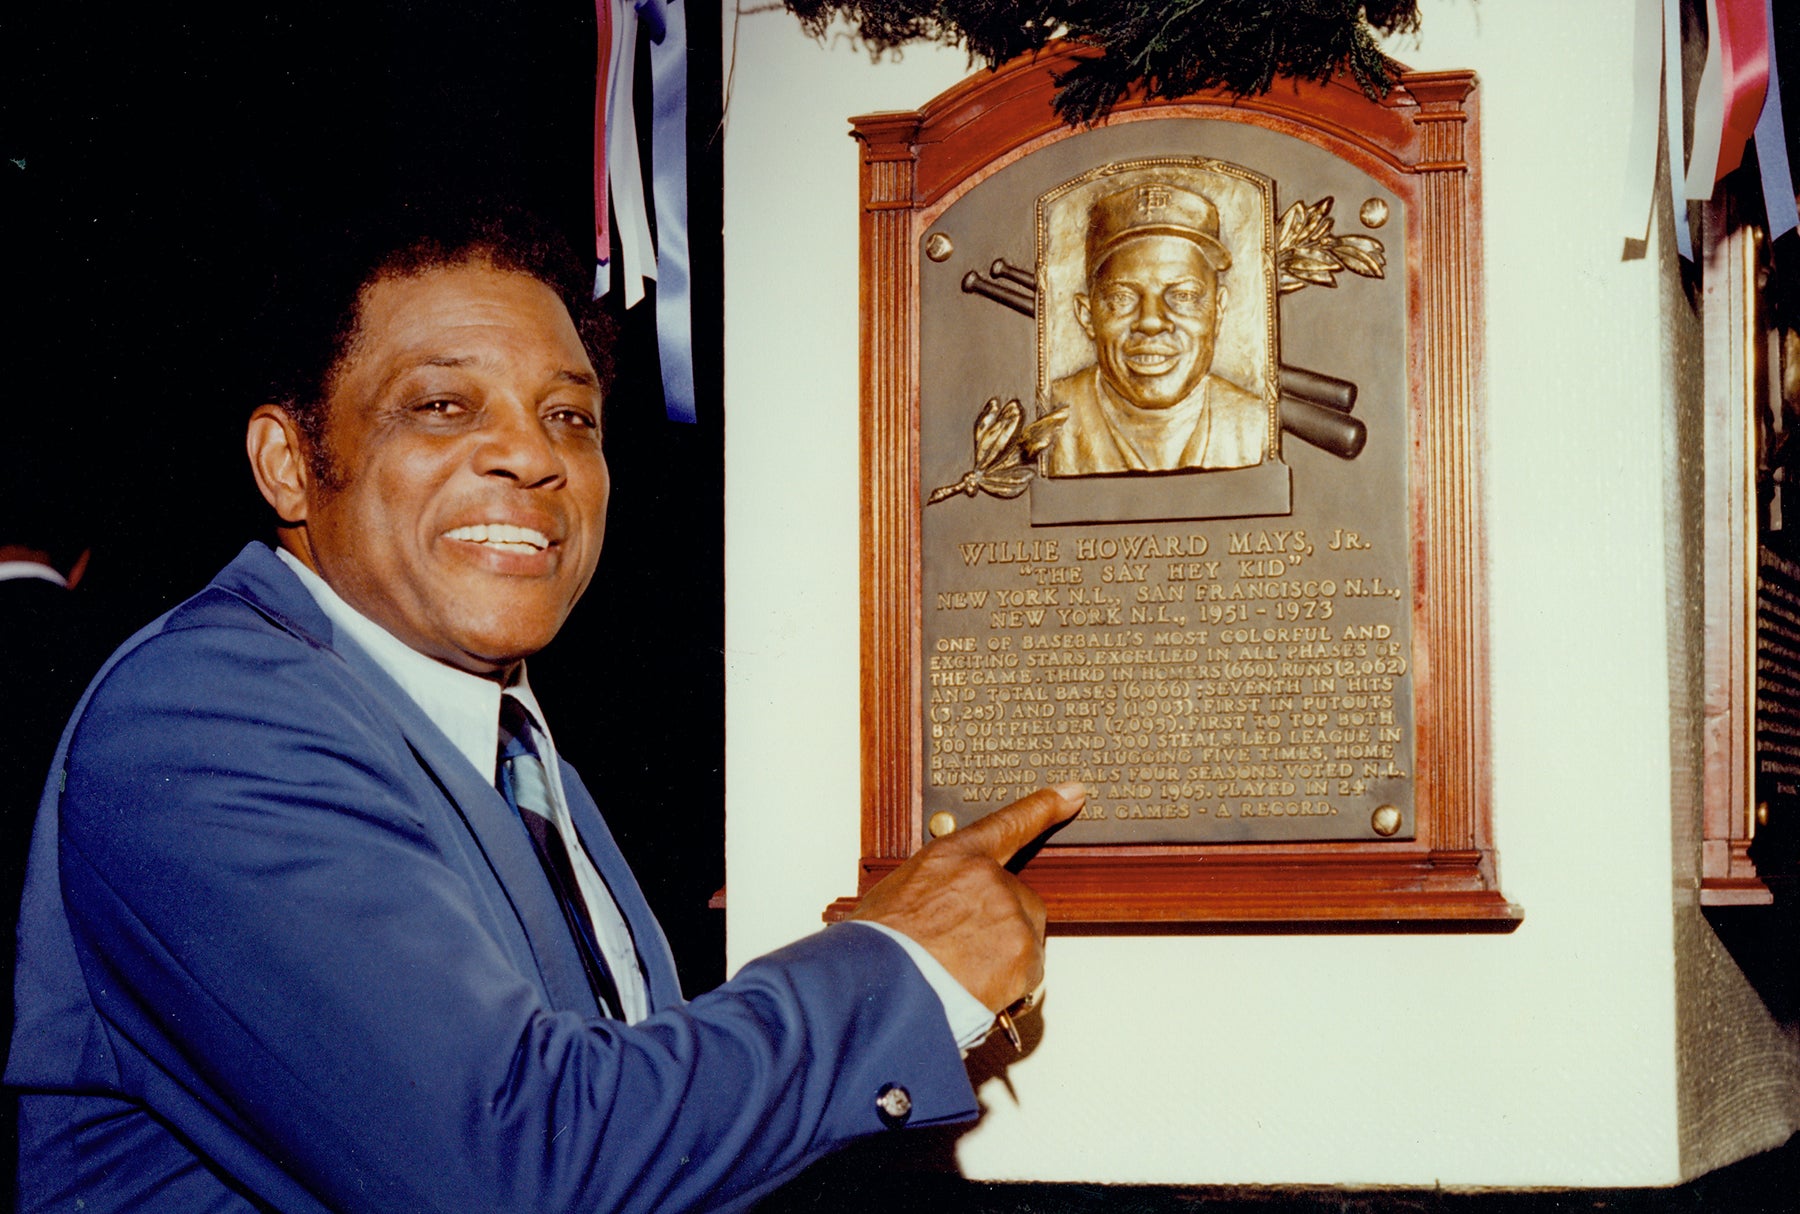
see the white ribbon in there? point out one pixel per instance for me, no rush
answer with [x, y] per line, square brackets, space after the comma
[1709, 114]
[625, 175]
[1646, 121]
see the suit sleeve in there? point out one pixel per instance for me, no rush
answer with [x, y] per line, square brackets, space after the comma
[297, 981]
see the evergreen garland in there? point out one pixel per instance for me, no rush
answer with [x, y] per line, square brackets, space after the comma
[1167, 48]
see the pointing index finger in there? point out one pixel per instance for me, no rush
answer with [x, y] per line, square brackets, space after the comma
[1002, 833]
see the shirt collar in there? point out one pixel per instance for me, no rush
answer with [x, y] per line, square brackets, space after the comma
[465, 706]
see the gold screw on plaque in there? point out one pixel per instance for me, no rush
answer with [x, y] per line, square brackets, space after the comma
[1374, 213]
[1762, 813]
[938, 247]
[941, 824]
[1385, 820]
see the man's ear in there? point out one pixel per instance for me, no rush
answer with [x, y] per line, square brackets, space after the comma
[1084, 315]
[278, 461]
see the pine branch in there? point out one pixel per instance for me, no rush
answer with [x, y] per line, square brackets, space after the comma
[1164, 49]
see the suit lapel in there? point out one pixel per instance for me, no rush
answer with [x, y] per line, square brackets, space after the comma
[520, 905]
[497, 833]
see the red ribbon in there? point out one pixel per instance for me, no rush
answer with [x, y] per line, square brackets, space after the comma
[1743, 35]
[602, 73]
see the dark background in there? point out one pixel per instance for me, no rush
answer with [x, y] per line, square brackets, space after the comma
[155, 171]
[158, 169]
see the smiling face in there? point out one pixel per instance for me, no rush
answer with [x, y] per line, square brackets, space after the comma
[466, 503]
[1153, 317]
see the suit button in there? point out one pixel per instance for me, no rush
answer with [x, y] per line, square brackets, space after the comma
[894, 1104]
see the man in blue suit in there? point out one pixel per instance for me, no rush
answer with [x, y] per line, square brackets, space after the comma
[317, 920]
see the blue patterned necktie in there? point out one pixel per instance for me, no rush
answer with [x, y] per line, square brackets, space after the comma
[526, 786]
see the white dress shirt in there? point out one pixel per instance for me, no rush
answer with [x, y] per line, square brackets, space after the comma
[467, 708]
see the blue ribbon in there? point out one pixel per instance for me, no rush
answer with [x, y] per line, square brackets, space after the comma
[651, 13]
[1771, 149]
[667, 24]
[1675, 124]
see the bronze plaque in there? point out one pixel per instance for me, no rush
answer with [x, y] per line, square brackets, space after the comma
[1200, 616]
[1170, 489]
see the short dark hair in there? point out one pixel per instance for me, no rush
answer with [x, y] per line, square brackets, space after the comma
[314, 314]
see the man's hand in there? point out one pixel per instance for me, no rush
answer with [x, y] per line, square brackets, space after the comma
[955, 898]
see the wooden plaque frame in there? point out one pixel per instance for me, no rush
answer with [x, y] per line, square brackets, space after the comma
[1420, 143]
[1736, 390]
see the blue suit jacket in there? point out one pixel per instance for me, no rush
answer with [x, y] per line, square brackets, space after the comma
[282, 947]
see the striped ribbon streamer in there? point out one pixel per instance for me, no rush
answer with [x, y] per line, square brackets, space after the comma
[619, 180]
[1738, 99]
[668, 182]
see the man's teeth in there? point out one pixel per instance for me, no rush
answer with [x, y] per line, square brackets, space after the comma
[502, 535]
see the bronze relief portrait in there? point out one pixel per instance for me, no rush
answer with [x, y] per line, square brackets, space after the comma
[1162, 389]
[1156, 319]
